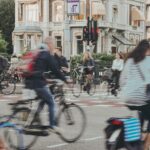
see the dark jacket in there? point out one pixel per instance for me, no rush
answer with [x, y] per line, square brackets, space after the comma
[62, 61]
[89, 62]
[44, 62]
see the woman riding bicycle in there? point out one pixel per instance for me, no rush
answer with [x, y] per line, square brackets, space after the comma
[88, 64]
[134, 78]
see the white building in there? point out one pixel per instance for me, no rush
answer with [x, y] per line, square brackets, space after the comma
[121, 24]
[148, 19]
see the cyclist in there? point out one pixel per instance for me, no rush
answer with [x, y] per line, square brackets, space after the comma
[88, 63]
[134, 78]
[43, 63]
[62, 61]
[117, 67]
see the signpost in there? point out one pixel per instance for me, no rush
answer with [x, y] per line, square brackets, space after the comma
[73, 7]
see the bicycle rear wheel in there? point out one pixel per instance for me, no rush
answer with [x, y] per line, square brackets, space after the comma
[8, 85]
[72, 120]
[20, 119]
[92, 88]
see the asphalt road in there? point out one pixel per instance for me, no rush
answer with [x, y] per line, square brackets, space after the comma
[98, 109]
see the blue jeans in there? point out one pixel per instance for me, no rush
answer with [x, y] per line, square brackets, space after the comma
[47, 98]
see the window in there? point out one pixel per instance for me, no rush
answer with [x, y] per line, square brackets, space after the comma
[132, 22]
[114, 13]
[21, 42]
[20, 11]
[58, 12]
[28, 42]
[79, 45]
[148, 13]
[31, 12]
[81, 16]
[58, 42]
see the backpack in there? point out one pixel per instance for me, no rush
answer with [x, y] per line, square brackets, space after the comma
[26, 66]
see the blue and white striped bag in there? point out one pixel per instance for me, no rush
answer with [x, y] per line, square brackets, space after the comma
[132, 129]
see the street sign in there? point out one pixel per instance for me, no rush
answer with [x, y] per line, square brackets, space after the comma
[73, 7]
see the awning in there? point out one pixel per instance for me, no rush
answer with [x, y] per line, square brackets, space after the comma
[123, 40]
[137, 14]
[27, 29]
[98, 8]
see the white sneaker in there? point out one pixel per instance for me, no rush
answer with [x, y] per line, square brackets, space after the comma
[56, 130]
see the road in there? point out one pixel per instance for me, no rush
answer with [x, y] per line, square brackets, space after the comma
[98, 108]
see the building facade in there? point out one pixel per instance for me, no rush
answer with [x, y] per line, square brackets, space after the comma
[148, 19]
[120, 24]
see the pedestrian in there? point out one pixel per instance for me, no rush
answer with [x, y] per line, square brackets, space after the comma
[62, 61]
[117, 67]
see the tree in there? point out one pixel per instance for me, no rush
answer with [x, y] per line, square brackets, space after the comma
[7, 21]
[3, 44]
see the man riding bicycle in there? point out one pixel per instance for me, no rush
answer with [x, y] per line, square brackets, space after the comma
[45, 62]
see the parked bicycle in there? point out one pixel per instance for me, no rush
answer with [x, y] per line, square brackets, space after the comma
[70, 117]
[7, 83]
[81, 82]
[107, 83]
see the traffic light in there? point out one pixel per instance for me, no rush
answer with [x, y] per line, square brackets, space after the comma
[85, 33]
[94, 36]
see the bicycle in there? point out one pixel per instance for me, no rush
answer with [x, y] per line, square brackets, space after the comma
[70, 117]
[115, 132]
[82, 82]
[13, 127]
[107, 83]
[7, 83]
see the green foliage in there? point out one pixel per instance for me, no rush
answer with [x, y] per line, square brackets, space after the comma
[101, 60]
[7, 21]
[3, 44]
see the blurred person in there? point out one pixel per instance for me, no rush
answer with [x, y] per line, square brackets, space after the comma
[45, 62]
[117, 67]
[62, 61]
[134, 79]
[89, 64]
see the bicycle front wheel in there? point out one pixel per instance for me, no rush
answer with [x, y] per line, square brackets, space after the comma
[20, 118]
[77, 87]
[72, 120]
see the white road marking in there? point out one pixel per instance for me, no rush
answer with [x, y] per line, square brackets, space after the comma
[82, 140]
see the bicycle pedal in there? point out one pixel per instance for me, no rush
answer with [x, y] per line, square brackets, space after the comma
[36, 133]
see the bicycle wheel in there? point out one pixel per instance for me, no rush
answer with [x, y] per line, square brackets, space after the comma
[72, 120]
[20, 119]
[77, 87]
[92, 88]
[8, 85]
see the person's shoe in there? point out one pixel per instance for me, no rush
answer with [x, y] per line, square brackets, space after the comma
[55, 129]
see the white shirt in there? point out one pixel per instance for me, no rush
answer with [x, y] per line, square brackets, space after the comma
[118, 64]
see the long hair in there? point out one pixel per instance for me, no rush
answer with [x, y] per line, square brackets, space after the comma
[138, 54]
[87, 56]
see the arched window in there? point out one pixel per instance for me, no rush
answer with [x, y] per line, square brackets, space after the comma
[58, 11]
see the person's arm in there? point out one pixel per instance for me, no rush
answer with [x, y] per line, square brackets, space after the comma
[124, 74]
[121, 65]
[113, 65]
[52, 63]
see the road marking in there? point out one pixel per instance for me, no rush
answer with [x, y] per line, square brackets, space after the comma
[82, 140]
